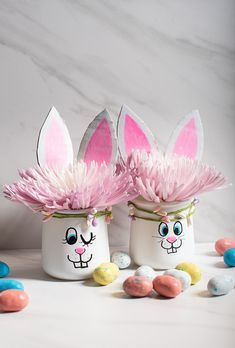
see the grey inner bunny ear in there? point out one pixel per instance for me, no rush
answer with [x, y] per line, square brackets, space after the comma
[99, 142]
[133, 134]
[54, 146]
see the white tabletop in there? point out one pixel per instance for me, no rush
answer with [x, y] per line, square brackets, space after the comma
[83, 314]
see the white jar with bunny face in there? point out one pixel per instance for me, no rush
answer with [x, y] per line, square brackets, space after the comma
[161, 237]
[71, 248]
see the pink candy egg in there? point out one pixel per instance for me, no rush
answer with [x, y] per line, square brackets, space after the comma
[222, 245]
[13, 300]
[167, 286]
[138, 286]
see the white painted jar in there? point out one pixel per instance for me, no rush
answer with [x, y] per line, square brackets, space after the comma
[70, 248]
[161, 244]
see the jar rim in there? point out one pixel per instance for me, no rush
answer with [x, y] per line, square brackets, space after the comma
[143, 203]
[77, 211]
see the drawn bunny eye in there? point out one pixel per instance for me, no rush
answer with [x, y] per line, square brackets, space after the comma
[86, 242]
[71, 236]
[177, 228]
[163, 229]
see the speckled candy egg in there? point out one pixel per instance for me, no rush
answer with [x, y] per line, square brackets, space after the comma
[145, 271]
[106, 273]
[222, 245]
[229, 257]
[6, 284]
[220, 285]
[167, 286]
[192, 269]
[121, 259]
[183, 277]
[137, 286]
[4, 269]
[13, 300]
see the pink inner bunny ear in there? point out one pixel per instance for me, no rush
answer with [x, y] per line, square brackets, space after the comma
[133, 133]
[99, 142]
[54, 148]
[187, 139]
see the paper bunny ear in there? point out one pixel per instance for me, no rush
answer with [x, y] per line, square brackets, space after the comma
[187, 138]
[99, 142]
[133, 133]
[54, 147]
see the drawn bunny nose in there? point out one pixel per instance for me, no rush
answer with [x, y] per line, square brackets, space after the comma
[80, 250]
[171, 239]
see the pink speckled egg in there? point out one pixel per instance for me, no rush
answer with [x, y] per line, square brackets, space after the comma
[138, 286]
[167, 286]
[222, 245]
[13, 300]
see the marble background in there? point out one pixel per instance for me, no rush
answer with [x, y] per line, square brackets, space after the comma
[162, 58]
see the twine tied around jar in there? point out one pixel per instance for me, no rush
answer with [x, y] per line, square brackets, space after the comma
[162, 215]
[90, 216]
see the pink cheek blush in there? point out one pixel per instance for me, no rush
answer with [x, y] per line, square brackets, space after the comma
[167, 286]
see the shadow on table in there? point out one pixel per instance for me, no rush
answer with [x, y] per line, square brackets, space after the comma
[220, 264]
[91, 283]
[123, 296]
[34, 273]
[204, 294]
[211, 253]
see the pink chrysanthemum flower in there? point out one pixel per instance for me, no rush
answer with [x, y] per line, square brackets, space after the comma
[78, 186]
[158, 177]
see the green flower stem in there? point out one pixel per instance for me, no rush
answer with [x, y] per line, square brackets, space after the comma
[82, 215]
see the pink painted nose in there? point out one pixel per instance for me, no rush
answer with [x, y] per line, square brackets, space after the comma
[80, 250]
[171, 239]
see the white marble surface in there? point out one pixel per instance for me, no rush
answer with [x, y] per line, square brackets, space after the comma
[162, 58]
[81, 314]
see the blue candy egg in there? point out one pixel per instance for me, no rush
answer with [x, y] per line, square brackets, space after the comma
[4, 269]
[220, 285]
[7, 284]
[229, 257]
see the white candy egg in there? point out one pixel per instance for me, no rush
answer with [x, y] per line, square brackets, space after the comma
[220, 285]
[121, 259]
[145, 271]
[182, 276]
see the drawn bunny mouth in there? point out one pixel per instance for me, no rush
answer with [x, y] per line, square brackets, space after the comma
[172, 249]
[81, 263]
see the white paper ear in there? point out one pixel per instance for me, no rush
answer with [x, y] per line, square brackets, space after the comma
[54, 147]
[99, 142]
[133, 133]
[187, 138]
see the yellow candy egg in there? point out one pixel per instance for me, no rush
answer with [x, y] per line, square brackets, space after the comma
[105, 273]
[193, 270]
